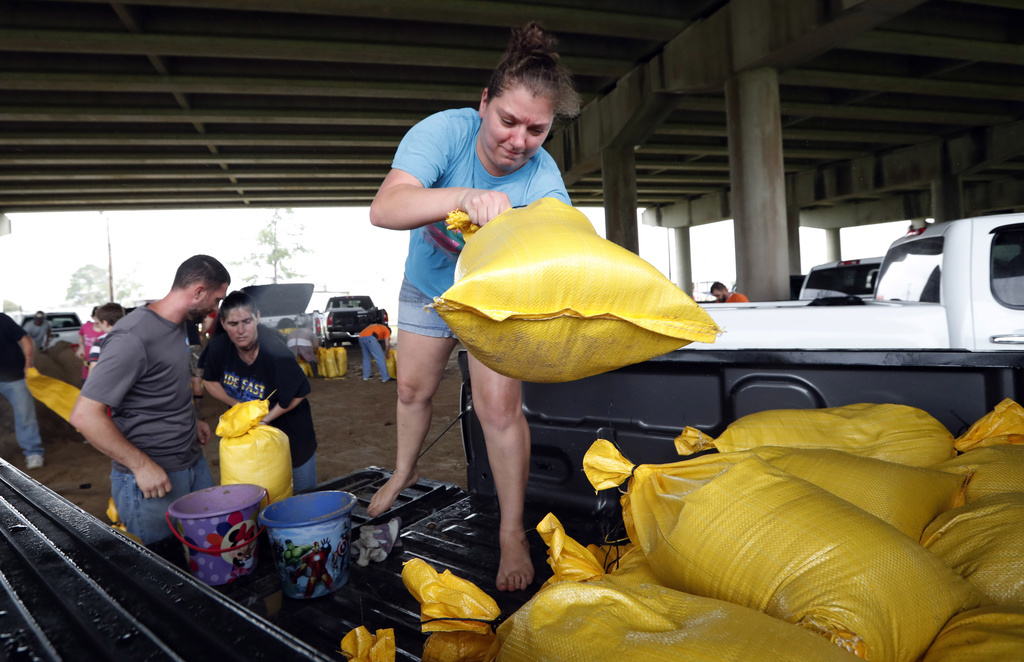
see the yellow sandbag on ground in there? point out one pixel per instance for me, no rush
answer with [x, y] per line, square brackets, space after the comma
[361, 646]
[990, 470]
[760, 538]
[306, 370]
[325, 363]
[986, 634]
[1005, 420]
[254, 453]
[895, 433]
[55, 394]
[392, 364]
[540, 296]
[340, 360]
[984, 542]
[606, 620]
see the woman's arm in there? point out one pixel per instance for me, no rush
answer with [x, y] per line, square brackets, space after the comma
[402, 203]
[277, 410]
[217, 391]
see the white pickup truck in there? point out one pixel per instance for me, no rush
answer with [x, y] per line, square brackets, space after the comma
[954, 285]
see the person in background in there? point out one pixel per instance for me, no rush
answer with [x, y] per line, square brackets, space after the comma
[39, 330]
[17, 350]
[87, 335]
[241, 364]
[106, 317]
[370, 339]
[153, 435]
[303, 343]
[723, 295]
[482, 161]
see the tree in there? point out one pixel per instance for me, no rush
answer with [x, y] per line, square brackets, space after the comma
[89, 287]
[279, 243]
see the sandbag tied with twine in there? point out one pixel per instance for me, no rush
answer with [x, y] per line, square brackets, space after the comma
[617, 618]
[984, 542]
[569, 560]
[540, 296]
[1003, 425]
[456, 610]
[361, 646]
[57, 395]
[760, 538]
[896, 433]
[254, 453]
[989, 470]
[985, 634]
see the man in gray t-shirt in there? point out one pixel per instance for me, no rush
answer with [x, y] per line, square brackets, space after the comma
[152, 434]
[39, 330]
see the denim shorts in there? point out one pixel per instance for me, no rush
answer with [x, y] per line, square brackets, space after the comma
[415, 317]
[145, 517]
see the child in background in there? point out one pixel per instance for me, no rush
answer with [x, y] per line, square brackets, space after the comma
[87, 336]
[106, 316]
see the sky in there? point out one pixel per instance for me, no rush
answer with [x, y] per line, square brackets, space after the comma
[346, 253]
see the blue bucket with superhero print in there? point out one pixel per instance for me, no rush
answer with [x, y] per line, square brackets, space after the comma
[310, 537]
[217, 527]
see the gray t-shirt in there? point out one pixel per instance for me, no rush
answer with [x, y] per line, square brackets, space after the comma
[37, 332]
[143, 375]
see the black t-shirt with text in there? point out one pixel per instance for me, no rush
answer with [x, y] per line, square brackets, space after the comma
[275, 374]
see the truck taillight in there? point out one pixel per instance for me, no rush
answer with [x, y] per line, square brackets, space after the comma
[385, 318]
[330, 319]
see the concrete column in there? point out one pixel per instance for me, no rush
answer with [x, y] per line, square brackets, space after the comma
[793, 237]
[947, 198]
[833, 245]
[618, 177]
[684, 272]
[758, 184]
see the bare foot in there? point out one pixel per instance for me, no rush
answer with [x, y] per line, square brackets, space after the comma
[515, 572]
[385, 496]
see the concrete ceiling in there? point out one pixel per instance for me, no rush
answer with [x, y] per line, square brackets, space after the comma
[226, 103]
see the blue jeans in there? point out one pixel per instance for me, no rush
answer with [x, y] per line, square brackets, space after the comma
[26, 428]
[304, 477]
[146, 517]
[371, 347]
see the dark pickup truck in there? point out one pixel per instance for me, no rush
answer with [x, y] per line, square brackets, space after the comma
[74, 589]
[346, 316]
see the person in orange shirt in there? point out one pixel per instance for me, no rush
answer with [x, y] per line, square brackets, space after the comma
[722, 294]
[369, 342]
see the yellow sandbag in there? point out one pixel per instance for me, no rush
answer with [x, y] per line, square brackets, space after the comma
[990, 470]
[254, 453]
[448, 603]
[613, 620]
[392, 364]
[908, 498]
[306, 370]
[896, 433]
[1006, 420]
[569, 560]
[540, 296]
[984, 542]
[760, 538]
[340, 360]
[986, 634]
[325, 363]
[458, 647]
[361, 646]
[55, 394]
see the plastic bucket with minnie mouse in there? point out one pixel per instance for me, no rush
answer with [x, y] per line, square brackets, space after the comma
[218, 529]
[310, 538]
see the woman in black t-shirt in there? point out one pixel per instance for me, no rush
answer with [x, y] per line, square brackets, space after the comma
[248, 362]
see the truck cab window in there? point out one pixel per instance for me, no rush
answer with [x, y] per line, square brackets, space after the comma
[1008, 267]
[912, 272]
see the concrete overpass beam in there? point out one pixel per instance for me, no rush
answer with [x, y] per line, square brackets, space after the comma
[758, 184]
[833, 245]
[947, 198]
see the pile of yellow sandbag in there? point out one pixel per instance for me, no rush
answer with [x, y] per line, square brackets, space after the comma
[810, 528]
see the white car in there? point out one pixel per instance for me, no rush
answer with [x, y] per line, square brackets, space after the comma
[843, 278]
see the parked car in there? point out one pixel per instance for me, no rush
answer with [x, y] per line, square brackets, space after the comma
[842, 278]
[346, 316]
[63, 326]
[280, 304]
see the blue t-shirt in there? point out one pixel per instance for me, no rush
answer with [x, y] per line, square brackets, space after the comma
[440, 152]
